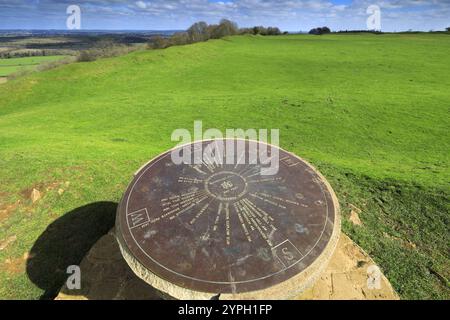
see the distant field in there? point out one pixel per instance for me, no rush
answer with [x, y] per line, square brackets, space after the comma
[370, 111]
[9, 66]
[48, 43]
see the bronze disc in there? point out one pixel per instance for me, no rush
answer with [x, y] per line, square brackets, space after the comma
[225, 228]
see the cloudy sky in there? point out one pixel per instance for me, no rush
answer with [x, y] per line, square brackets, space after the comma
[290, 15]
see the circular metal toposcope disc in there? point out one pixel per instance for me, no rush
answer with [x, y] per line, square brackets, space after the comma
[222, 227]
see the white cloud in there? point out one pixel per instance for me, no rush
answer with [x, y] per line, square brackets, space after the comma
[141, 4]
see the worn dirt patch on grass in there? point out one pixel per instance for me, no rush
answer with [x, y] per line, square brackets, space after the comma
[42, 187]
[6, 242]
[13, 265]
[6, 209]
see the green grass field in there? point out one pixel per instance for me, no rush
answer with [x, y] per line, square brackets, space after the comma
[371, 112]
[9, 66]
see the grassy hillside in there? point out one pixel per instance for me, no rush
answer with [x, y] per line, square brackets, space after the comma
[8, 66]
[371, 112]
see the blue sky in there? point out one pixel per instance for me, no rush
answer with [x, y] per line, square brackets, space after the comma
[290, 15]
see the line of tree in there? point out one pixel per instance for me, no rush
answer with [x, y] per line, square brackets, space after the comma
[201, 31]
[270, 31]
[359, 31]
[21, 53]
[324, 30]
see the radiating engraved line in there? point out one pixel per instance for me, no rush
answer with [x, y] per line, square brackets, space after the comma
[246, 218]
[248, 169]
[207, 161]
[253, 175]
[227, 224]
[181, 206]
[268, 201]
[266, 217]
[266, 180]
[216, 221]
[176, 200]
[255, 220]
[276, 198]
[193, 198]
[254, 171]
[257, 223]
[215, 163]
[190, 180]
[207, 165]
[171, 198]
[216, 156]
[242, 222]
[200, 213]
[239, 160]
[255, 215]
[197, 168]
[190, 207]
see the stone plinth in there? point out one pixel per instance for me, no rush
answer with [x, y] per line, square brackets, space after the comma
[106, 276]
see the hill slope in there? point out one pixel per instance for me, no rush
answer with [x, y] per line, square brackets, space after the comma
[371, 112]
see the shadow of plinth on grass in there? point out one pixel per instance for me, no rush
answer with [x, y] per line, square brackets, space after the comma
[65, 242]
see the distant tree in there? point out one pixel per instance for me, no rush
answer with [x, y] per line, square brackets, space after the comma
[212, 31]
[180, 38]
[246, 31]
[273, 31]
[319, 31]
[223, 29]
[325, 30]
[198, 32]
[260, 30]
[315, 31]
[448, 29]
[230, 26]
[158, 42]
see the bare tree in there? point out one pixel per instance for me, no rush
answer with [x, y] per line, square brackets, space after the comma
[158, 42]
[180, 38]
[223, 29]
[198, 32]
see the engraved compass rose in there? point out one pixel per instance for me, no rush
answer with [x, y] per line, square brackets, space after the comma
[225, 228]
